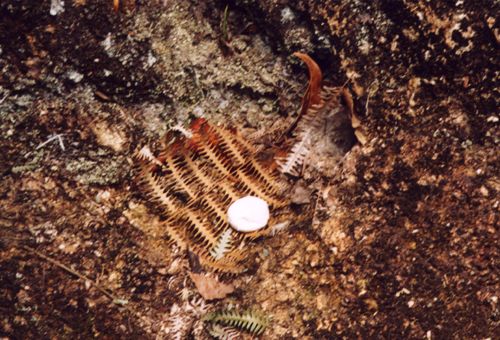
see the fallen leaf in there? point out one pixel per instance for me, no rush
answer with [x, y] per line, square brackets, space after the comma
[301, 193]
[109, 137]
[362, 139]
[313, 92]
[371, 304]
[209, 287]
[346, 94]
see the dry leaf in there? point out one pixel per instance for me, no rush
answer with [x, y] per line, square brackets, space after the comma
[360, 137]
[301, 193]
[346, 94]
[209, 287]
[355, 121]
[313, 92]
[109, 137]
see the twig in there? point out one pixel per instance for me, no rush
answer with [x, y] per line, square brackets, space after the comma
[315, 210]
[116, 300]
[4, 97]
[51, 138]
[372, 89]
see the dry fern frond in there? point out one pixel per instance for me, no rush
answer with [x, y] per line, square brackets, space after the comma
[194, 180]
[310, 125]
[249, 320]
[224, 333]
[182, 319]
[178, 324]
[319, 103]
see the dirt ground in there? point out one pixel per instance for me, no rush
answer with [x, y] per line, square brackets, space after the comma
[404, 242]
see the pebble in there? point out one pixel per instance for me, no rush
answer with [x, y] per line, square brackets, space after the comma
[484, 191]
[248, 214]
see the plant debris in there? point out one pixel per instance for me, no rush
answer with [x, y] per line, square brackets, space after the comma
[395, 237]
[321, 134]
[196, 179]
[209, 287]
[249, 320]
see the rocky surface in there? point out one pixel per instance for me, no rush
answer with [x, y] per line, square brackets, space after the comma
[404, 242]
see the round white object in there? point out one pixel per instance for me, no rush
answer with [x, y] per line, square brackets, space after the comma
[248, 214]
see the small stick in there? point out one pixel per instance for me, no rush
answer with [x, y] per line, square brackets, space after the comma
[51, 138]
[5, 97]
[116, 300]
[70, 270]
[315, 210]
[372, 89]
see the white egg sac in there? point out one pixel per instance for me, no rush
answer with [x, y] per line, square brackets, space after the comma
[248, 214]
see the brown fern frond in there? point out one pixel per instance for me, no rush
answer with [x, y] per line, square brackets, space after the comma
[173, 235]
[196, 225]
[157, 191]
[224, 265]
[317, 106]
[194, 180]
[229, 145]
[247, 185]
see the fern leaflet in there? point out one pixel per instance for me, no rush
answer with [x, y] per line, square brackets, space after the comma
[223, 245]
[251, 321]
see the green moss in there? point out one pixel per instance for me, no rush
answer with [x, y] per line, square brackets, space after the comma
[102, 172]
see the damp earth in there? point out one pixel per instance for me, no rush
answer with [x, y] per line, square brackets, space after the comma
[403, 242]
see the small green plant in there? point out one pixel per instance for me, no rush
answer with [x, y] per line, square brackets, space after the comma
[252, 321]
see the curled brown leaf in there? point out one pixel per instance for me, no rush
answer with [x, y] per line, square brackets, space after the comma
[313, 92]
[209, 287]
[312, 95]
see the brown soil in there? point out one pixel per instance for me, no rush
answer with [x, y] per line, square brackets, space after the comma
[404, 241]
